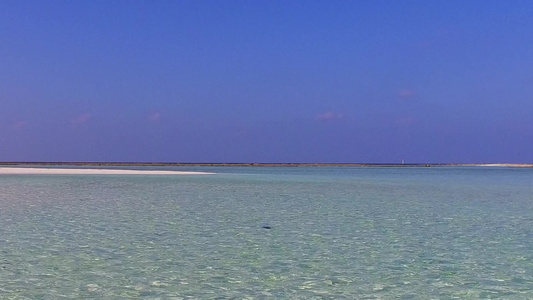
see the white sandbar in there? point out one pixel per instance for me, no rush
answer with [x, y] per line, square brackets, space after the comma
[48, 171]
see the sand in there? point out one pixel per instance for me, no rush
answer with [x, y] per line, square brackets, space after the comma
[503, 165]
[48, 171]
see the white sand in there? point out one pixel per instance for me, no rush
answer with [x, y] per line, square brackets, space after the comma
[504, 165]
[48, 171]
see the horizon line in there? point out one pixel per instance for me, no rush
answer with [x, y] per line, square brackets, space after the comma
[263, 164]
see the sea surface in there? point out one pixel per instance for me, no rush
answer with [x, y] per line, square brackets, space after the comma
[269, 233]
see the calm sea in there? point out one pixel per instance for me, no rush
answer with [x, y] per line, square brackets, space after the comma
[270, 233]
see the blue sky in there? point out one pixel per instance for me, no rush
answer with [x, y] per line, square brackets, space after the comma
[266, 81]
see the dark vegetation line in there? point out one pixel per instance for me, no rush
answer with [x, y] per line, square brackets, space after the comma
[165, 164]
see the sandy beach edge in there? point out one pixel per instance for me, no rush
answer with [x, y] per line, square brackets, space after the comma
[103, 165]
[52, 171]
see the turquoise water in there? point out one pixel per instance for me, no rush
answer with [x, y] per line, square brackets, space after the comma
[335, 233]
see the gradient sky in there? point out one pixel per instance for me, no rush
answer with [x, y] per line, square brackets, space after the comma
[267, 81]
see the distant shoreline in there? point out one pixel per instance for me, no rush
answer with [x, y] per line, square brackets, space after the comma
[63, 171]
[143, 164]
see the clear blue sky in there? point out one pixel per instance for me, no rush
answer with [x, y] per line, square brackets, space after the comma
[266, 81]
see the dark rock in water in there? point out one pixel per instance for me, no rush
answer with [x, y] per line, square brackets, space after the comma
[267, 227]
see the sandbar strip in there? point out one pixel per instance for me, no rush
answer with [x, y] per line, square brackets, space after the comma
[49, 171]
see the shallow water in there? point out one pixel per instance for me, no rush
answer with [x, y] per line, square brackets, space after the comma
[335, 233]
